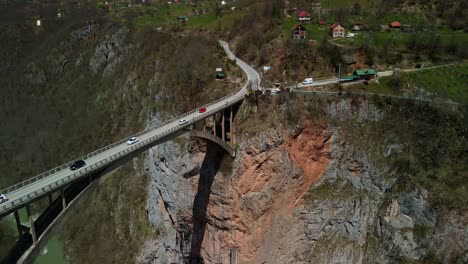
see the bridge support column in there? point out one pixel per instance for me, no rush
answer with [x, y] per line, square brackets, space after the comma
[31, 224]
[223, 130]
[231, 128]
[233, 256]
[64, 202]
[214, 124]
[50, 199]
[18, 223]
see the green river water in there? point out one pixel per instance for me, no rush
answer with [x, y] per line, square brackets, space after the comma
[55, 253]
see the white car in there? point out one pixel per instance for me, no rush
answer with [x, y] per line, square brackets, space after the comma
[182, 121]
[275, 90]
[132, 140]
[3, 198]
[308, 81]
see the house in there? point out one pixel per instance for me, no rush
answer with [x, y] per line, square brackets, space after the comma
[395, 25]
[219, 74]
[298, 32]
[337, 30]
[322, 23]
[303, 16]
[358, 26]
[365, 74]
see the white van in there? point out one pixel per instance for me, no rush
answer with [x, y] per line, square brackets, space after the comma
[307, 81]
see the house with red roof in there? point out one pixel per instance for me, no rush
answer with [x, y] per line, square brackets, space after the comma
[337, 30]
[322, 23]
[303, 16]
[298, 32]
[395, 25]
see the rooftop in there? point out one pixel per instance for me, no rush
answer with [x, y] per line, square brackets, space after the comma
[366, 72]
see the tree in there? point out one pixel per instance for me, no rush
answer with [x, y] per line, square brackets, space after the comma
[356, 8]
[434, 46]
[397, 81]
[217, 10]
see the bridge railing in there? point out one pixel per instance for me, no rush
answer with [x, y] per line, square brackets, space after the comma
[57, 169]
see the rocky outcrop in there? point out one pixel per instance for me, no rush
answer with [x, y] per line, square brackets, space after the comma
[109, 53]
[307, 195]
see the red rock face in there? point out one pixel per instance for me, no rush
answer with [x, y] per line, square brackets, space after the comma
[309, 151]
[251, 214]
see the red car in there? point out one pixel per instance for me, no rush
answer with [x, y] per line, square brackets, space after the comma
[202, 110]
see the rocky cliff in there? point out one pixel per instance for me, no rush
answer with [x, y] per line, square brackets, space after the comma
[331, 189]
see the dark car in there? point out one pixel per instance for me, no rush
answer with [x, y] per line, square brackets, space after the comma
[77, 164]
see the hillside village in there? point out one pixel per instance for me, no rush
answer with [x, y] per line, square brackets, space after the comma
[330, 39]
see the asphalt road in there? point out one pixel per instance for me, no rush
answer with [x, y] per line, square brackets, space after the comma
[19, 196]
[336, 80]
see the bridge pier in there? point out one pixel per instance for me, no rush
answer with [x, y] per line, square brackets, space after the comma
[49, 197]
[231, 128]
[31, 224]
[214, 124]
[233, 256]
[18, 223]
[223, 130]
[64, 202]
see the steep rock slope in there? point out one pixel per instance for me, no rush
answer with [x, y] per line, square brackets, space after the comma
[335, 188]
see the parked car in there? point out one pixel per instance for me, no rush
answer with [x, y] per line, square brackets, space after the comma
[202, 110]
[183, 121]
[132, 140]
[308, 81]
[3, 198]
[77, 164]
[419, 65]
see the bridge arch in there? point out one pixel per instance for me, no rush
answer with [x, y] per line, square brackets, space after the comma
[214, 139]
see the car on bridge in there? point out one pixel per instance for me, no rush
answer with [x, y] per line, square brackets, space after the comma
[3, 198]
[132, 140]
[77, 164]
[202, 110]
[183, 121]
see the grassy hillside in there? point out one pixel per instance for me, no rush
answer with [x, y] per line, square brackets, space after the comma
[443, 82]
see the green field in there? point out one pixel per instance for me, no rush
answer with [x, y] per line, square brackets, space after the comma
[449, 82]
[446, 82]
[200, 17]
[210, 22]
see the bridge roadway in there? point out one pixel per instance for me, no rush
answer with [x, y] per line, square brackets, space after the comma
[27, 191]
